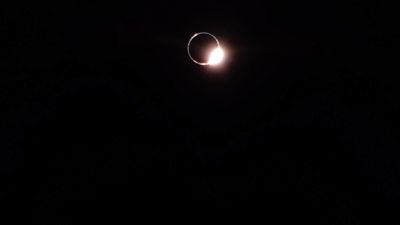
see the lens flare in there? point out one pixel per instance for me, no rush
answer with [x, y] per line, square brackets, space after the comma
[216, 56]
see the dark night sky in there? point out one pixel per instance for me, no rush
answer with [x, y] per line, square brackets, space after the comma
[104, 116]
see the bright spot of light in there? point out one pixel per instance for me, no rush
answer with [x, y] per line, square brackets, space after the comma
[216, 56]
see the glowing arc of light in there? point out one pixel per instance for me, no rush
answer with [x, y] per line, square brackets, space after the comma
[216, 56]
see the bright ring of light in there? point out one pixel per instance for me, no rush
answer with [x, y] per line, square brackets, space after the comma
[190, 41]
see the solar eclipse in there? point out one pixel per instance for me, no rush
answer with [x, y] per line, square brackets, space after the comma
[215, 55]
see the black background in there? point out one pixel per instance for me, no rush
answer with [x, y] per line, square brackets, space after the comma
[104, 117]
